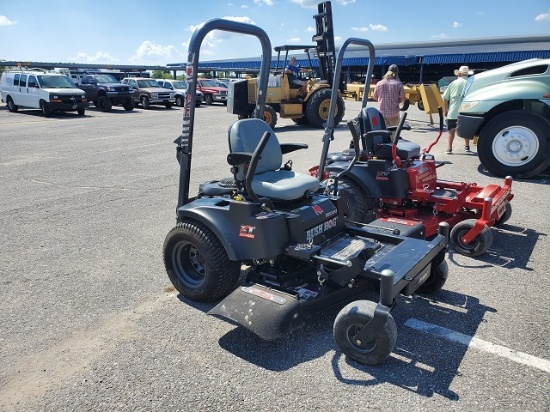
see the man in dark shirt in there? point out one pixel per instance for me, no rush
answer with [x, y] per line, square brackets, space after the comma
[292, 70]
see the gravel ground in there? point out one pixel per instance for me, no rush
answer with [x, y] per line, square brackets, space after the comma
[89, 320]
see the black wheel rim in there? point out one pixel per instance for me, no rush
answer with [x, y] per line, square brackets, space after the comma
[367, 347]
[188, 264]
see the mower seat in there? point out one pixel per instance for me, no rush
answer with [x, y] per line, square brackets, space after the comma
[377, 138]
[270, 179]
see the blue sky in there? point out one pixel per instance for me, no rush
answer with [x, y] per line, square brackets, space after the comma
[147, 32]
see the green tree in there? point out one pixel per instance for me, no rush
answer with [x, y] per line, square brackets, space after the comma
[161, 74]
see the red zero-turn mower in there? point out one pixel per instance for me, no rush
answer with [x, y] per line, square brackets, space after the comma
[275, 248]
[393, 183]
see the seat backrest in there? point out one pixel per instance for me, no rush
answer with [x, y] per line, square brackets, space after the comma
[244, 136]
[370, 120]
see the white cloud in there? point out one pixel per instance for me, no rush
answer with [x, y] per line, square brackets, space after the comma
[244, 6]
[345, 2]
[4, 21]
[154, 53]
[440, 36]
[99, 57]
[266, 2]
[310, 29]
[540, 17]
[456, 24]
[378, 27]
[480, 13]
[306, 4]
[359, 29]
[295, 40]
[215, 38]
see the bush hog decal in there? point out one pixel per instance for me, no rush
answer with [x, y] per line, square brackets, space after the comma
[247, 231]
[317, 230]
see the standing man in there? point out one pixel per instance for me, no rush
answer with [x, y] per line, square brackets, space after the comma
[452, 99]
[390, 92]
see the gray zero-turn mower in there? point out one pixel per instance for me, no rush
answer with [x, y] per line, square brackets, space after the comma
[275, 247]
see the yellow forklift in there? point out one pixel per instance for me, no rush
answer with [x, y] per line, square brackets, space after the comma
[282, 96]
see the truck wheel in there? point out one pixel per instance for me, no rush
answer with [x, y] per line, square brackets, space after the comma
[129, 104]
[45, 108]
[436, 280]
[361, 205]
[208, 99]
[12, 107]
[351, 320]
[96, 104]
[270, 116]
[506, 215]
[179, 101]
[81, 112]
[197, 263]
[105, 104]
[318, 105]
[420, 105]
[480, 244]
[515, 143]
[168, 105]
[145, 102]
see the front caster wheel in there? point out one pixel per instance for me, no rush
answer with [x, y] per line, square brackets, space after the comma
[480, 244]
[197, 263]
[350, 321]
[436, 280]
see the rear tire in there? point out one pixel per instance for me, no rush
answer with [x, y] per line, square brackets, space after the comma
[361, 206]
[81, 112]
[208, 100]
[12, 107]
[480, 244]
[515, 143]
[270, 116]
[318, 105]
[197, 263]
[350, 320]
[179, 101]
[168, 105]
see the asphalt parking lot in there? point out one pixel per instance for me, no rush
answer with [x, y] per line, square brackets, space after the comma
[88, 320]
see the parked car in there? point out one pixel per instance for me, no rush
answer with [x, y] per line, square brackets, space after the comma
[508, 109]
[37, 89]
[105, 92]
[179, 87]
[147, 91]
[212, 91]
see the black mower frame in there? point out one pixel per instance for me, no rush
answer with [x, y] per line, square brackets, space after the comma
[303, 256]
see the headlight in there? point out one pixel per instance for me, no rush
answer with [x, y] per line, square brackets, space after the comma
[467, 106]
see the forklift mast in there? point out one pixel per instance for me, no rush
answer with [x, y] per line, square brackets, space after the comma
[324, 37]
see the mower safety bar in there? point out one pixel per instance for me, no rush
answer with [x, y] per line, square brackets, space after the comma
[185, 149]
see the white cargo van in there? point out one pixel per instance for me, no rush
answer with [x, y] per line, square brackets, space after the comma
[36, 89]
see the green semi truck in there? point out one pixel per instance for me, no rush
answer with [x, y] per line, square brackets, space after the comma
[508, 111]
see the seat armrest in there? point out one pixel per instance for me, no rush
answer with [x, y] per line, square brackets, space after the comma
[394, 128]
[237, 158]
[291, 147]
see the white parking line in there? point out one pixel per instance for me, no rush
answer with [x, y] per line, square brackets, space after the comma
[473, 342]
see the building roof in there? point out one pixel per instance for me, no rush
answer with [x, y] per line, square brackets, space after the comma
[490, 49]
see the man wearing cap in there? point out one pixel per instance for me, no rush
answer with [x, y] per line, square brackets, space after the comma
[292, 70]
[389, 92]
[452, 99]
